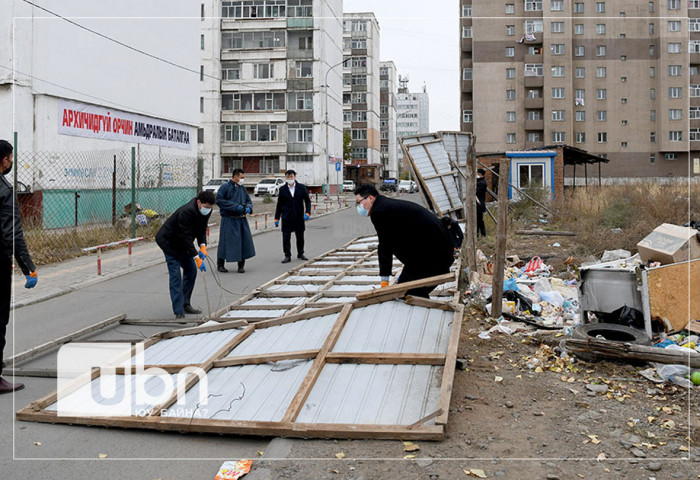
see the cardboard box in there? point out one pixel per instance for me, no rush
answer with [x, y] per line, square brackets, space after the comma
[670, 244]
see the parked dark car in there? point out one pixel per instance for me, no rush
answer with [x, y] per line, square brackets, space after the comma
[389, 185]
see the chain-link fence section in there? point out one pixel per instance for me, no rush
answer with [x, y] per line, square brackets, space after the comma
[73, 200]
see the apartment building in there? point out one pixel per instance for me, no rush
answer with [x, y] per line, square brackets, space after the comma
[271, 93]
[412, 113]
[361, 96]
[618, 79]
[387, 118]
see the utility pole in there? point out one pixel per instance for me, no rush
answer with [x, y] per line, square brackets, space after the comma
[326, 187]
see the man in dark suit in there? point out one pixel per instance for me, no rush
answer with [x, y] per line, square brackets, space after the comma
[481, 207]
[293, 208]
[409, 232]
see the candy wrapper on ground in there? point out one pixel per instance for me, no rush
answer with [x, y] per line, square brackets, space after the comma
[232, 470]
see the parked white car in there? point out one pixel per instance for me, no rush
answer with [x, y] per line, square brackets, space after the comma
[407, 186]
[269, 186]
[214, 184]
[348, 186]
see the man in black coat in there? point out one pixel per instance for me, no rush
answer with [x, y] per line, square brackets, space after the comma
[481, 207]
[175, 237]
[11, 240]
[409, 232]
[293, 208]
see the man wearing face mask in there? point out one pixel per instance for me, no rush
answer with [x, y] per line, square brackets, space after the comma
[175, 237]
[12, 241]
[409, 232]
[235, 239]
[293, 208]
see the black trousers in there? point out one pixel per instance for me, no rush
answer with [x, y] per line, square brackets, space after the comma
[5, 295]
[287, 242]
[410, 273]
[480, 226]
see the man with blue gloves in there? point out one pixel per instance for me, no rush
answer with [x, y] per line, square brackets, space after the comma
[293, 208]
[235, 239]
[12, 240]
[175, 237]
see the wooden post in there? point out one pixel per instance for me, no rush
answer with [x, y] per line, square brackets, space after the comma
[468, 251]
[500, 255]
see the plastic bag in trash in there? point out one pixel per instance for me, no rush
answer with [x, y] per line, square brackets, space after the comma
[553, 297]
[627, 316]
[510, 284]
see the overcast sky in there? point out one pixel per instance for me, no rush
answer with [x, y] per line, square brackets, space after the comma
[422, 38]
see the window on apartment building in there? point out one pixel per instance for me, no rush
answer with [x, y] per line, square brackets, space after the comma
[623, 79]
[651, 7]
[694, 113]
[558, 92]
[532, 50]
[234, 133]
[305, 69]
[601, 93]
[347, 117]
[200, 135]
[254, 9]
[578, 29]
[694, 46]
[467, 116]
[347, 99]
[358, 97]
[299, 8]
[510, 8]
[510, 73]
[675, 136]
[510, 30]
[652, 158]
[652, 115]
[534, 137]
[600, 50]
[201, 11]
[557, 6]
[201, 42]
[652, 72]
[534, 115]
[674, 26]
[558, 137]
[558, 115]
[601, 72]
[359, 79]
[361, 116]
[693, 4]
[675, 92]
[671, 156]
[694, 90]
[534, 93]
[652, 93]
[580, 72]
[600, 29]
[557, 49]
[358, 62]
[579, 51]
[263, 70]
[263, 133]
[580, 137]
[557, 27]
[269, 165]
[623, 14]
[692, 70]
[694, 24]
[359, 153]
[623, 36]
[358, 133]
[674, 4]
[358, 44]
[558, 71]
[510, 94]
[623, 100]
[534, 26]
[467, 31]
[675, 114]
[300, 100]
[533, 5]
[466, 11]
[534, 70]
[347, 80]
[652, 137]
[300, 133]
[248, 40]
[602, 115]
[578, 7]
[201, 104]
[510, 117]
[467, 73]
[358, 25]
[600, 7]
[510, 138]
[602, 137]
[201, 73]
[510, 51]
[674, 48]
[580, 94]
[580, 115]
[651, 29]
[694, 134]
[623, 123]
[306, 42]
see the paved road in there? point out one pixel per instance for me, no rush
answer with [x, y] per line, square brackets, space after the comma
[72, 452]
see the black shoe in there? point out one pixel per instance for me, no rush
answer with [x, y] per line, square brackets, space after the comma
[287, 259]
[180, 315]
[241, 270]
[7, 387]
[302, 257]
[191, 309]
[222, 269]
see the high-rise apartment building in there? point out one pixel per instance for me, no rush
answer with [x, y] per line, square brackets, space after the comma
[361, 96]
[412, 113]
[271, 95]
[387, 118]
[616, 78]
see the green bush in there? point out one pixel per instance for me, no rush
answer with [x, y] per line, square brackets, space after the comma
[267, 198]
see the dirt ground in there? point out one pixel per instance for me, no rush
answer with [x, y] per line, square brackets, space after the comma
[565, 420]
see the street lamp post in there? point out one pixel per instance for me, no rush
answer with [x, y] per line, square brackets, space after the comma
[328, 156]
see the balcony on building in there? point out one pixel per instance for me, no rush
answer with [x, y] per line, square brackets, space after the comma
[301, 22]
[534, 38]
[694, 79]
[694, 57]
[293, 147]
[534, 124]
[466, 44]
[533, 103]
[467, 85]
[536, 58]
[529, 144]
[532, 80]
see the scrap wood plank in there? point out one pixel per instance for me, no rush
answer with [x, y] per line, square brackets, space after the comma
[399, 289]
[45, 347]
[631, 351]
[329, 310]
[265, 358]
[386, 358]
[205, 329]
[448, 372]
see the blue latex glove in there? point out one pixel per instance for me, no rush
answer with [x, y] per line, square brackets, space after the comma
[306, 216]
[200, 264]
[248, 210]
[201, 255]
[240, 209]
[32, 278]
[277, 223]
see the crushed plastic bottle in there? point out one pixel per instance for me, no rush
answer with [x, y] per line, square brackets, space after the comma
[683, 382]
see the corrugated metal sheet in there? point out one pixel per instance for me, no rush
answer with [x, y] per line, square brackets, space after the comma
[301, 335]
[373, 394]
[259, 393]
[394, 327]
[255, 313]
[295, 288]
[350, 288]
[187, 349]
[306, 278]
[335, 299]
[266, 301]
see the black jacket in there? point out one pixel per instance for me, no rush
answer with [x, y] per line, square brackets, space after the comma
[178, 232]
[11, 225]
[412, 234]
[291, 210]
[481, 194]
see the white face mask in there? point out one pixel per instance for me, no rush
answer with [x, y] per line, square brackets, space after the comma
[204, 210]
[290, 181]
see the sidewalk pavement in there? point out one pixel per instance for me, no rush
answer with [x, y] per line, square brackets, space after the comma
[63, 277]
